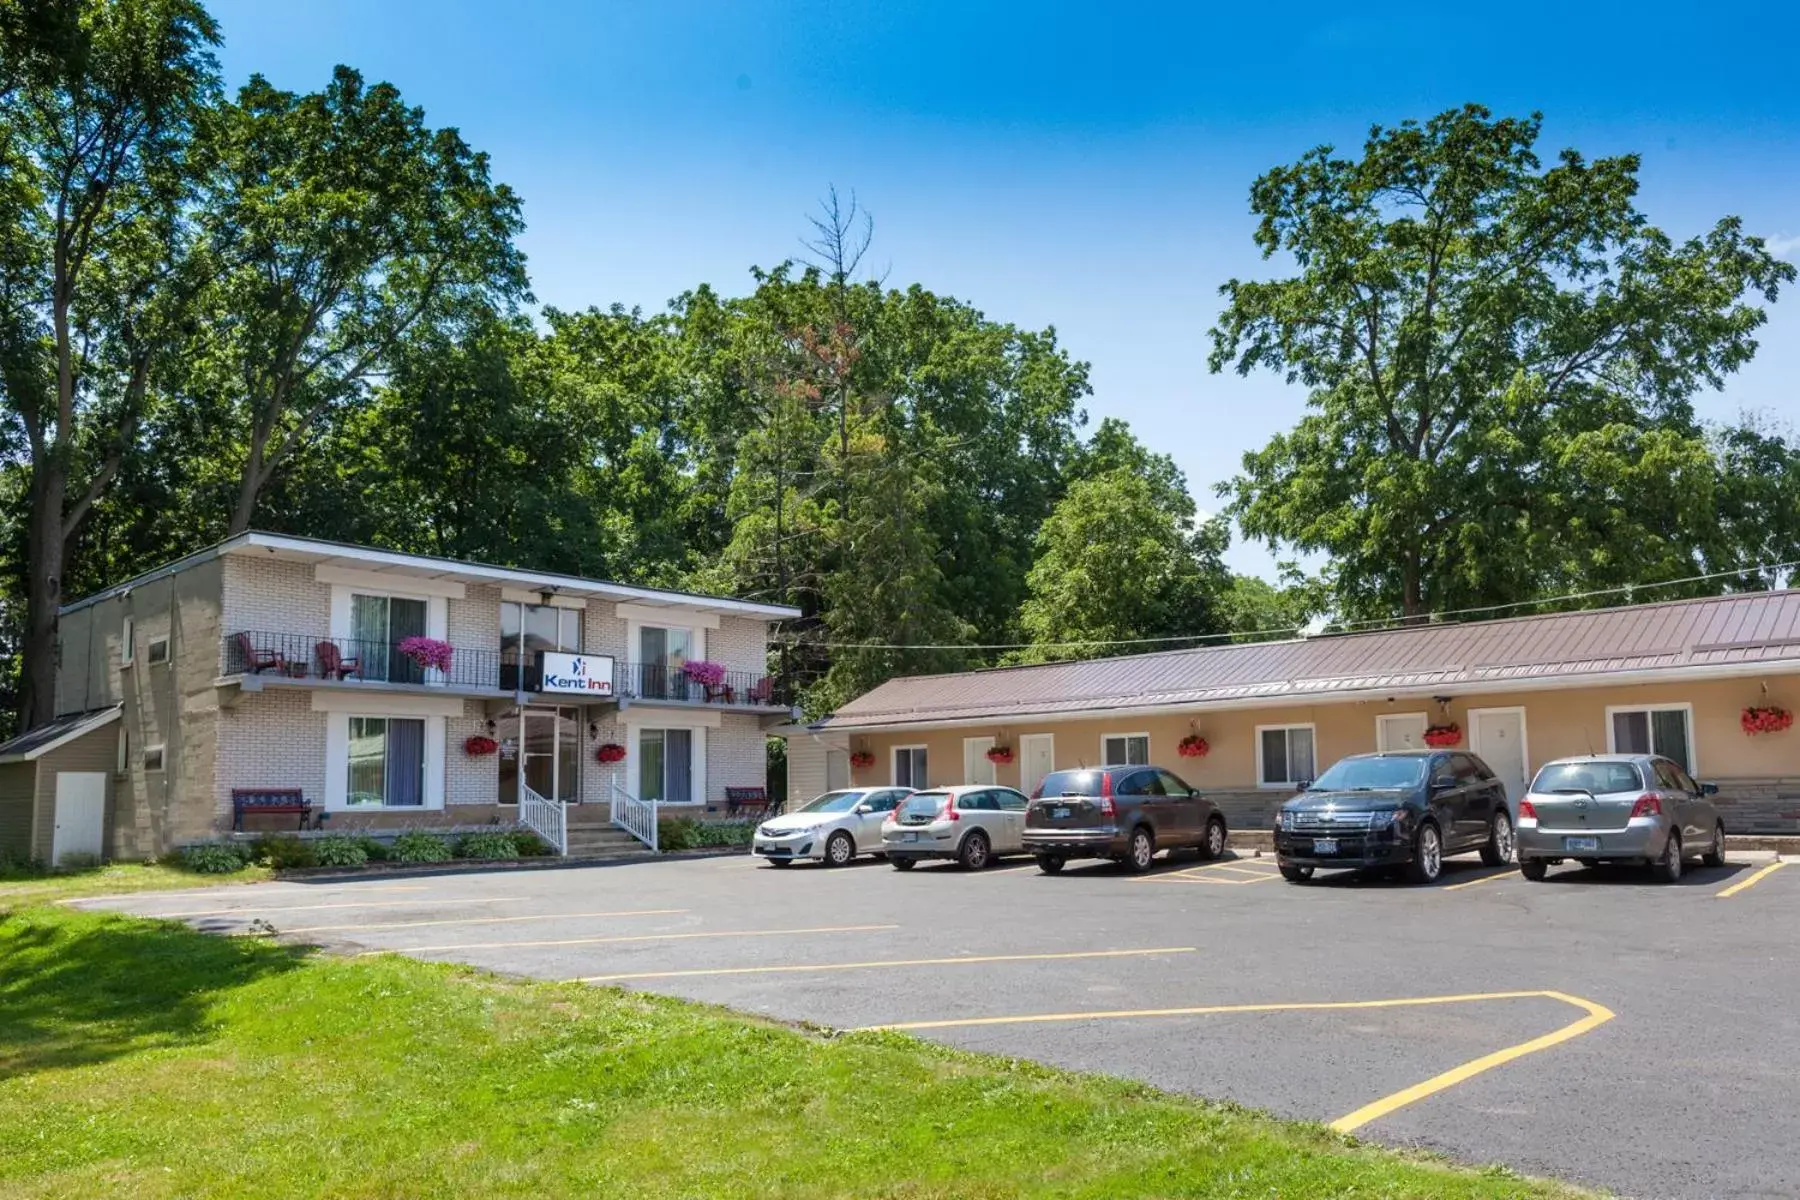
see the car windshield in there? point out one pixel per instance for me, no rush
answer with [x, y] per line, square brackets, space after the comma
[1070, 783]
[1595, 777]
[1370, 774]
[833, 802]
[923, 804]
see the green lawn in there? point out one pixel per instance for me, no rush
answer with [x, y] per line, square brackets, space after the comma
[141, 1058]
[112, 880]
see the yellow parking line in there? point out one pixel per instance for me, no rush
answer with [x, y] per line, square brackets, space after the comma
[896, 962]
[1755, 879]
[1455, 887]
[208, 893]
[550, 916]
[251, 910]
[640, 937]
[1596, 1015]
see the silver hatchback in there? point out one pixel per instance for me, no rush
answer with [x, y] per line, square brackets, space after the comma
[1639, 808]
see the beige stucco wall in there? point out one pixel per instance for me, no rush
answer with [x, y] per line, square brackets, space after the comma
[1759, 776]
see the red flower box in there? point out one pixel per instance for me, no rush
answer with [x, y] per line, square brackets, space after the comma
[478, 745]
[862, 760]
[1768, 719]
[1000, 754]
[1444, 735]
[611, 752]
[1192, 746]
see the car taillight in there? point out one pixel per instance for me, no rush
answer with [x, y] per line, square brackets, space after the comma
[1527, 811]
[950, 813]
[1106, 803]
[1648, 805]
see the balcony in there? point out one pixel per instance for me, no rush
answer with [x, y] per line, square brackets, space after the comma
[312, 659]
[658, 683]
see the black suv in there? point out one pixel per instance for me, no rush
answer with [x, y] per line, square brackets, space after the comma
[1403, 810]
[1126, 814]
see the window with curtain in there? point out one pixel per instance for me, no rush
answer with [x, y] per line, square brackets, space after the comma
[662, 651]
[387, 763]
[1125, 750]
[1661, 731]
[666, 765]
[1287, 755]
[909, 767]
[377, 625]
[526, 629]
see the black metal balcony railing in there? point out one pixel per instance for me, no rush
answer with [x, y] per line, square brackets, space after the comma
[309, 656]
[658, 681]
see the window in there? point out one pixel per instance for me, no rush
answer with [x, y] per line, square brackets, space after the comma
[666, 765]
[663, 650]
[153, 758]
[1172, 785]
[156, 652]
[909, 766]
[378, 624]
[1665, 730]
[1600, 778]
[526, 629]
[1125, 750]
[124, 759]
[979, 802]
[127, 644]
[1464, 768]
[886, 801]
[387, 763]
[1012, 801]
[1284, 755]
[1137, 783]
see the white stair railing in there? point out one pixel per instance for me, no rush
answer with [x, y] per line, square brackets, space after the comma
[549, 819]
[634, 816]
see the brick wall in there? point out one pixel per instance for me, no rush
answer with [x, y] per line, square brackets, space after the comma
[268, 595]
[736, 756]
[473, 622]
[1769, 805]
[270, 739]
[604, 633]
[468, 779]
[740, 644]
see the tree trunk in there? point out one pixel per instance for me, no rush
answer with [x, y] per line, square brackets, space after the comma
[249, 486]
[44, 554]
[1412, 604]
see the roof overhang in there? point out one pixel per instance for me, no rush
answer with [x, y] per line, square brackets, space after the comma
[74, 727]
[1123, 707]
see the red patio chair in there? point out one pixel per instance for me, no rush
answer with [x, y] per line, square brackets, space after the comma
[257, 661]
[762, 691]
[333, 664]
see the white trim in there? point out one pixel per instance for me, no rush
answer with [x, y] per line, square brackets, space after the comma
[673, 616]
[1024, 758]
[1380, 743]
[337, 758]
[150, 645]
[82, 730]
[894, 765]
[122, 760]
[1286, 784]
[1681, 706]
[162, 758]
[385, 704]
[1106, 737]
[634, 643]
[127, 644]
[512, 595]
[971, 743]
[696, 750]
[381, 583]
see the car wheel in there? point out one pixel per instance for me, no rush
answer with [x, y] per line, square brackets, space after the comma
[1667, 869]
[1533, 869]
[901, 864]
[1296, 874]
[1142, 850]
[839, 850]
[1715, 854]
[1428, 855]
[1499, 845]
[1214, 845]
[1050, 864]
[975, 851]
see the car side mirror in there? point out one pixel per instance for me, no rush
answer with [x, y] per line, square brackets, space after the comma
[863, 810]
[1303, 785]
[1442, 785]
[1709, 789]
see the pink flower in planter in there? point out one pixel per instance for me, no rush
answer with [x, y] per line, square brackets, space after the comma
[429, 653]
[705, 673]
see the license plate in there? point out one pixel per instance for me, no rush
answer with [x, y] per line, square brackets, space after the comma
[1057, 814]
[1324, 845]
[912, 837]
[1581, 843]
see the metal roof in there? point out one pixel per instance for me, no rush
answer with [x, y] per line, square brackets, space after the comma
[1727, 634]
[36, 743]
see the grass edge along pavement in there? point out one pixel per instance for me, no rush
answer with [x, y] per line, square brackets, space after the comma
[143, 1058]
[30, 887]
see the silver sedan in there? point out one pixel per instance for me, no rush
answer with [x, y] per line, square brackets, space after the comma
[1639, 808]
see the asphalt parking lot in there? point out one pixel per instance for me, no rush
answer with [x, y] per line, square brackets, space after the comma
[1596, 1026]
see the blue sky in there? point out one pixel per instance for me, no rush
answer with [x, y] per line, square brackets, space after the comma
[1078, 165]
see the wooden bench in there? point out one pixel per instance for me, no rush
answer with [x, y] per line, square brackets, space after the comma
[270, 801]
[744, 799]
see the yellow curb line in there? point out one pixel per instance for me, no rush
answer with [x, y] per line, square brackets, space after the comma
[638, 937]
[897, 962]
[1596, 1015]
[1502, 874]
[1755, 879]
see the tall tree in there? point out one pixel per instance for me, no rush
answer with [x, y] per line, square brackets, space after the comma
[1486, 343]
[98, 103]
[341, 224]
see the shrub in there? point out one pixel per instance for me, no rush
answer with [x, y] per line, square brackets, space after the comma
[215, 858]
[724, 833]
[340, 850]
[14, 866]
[417, 846]
[527, 844]
[487, 846]
[375, 849]
[285, 852]
[677, 833]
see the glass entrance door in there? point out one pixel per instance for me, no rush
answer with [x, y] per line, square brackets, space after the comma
[542, 747]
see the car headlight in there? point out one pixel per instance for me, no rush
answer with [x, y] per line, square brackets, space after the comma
[1285, 819]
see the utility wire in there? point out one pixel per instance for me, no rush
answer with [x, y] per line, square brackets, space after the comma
[1289, 629]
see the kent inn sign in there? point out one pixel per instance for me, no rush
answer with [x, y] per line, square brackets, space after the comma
[578, 674]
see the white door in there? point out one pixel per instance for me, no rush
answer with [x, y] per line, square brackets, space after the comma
[1400, 731]
[80, 814]
[837, 770]
[1498, 736]
[1037, 757]
[976, 766]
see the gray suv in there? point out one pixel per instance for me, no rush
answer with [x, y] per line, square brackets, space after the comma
[1126, 814]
